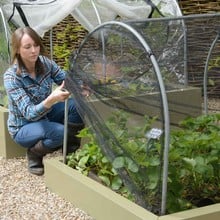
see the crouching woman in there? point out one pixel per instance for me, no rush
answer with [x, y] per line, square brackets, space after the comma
[36, 111]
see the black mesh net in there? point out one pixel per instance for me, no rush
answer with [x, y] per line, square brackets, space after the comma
[124, 107]
[126, 104]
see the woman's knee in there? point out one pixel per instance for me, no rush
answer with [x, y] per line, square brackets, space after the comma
[54, 136]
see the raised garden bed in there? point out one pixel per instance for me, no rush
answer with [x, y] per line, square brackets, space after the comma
[182, 102]
[8, 148]
[102, 203]
[90, 195]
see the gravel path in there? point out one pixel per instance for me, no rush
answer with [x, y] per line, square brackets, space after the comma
[214, 105]
[24, 196]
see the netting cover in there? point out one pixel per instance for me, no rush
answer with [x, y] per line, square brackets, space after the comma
[39, 14]
[125, 108]
[90, 15]
[4, 56]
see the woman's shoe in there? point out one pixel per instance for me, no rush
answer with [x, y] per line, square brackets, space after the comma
[35, 156]
[35, 163]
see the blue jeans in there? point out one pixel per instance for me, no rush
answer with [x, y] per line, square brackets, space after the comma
[49, 129]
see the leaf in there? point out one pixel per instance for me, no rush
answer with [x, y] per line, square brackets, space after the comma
[83, 161]
[105, 180]
[153, 179]
[190, 162]
[154, 161]
[211, 82]
[118, 162]
[131, 165]
[203, 168]
[105, 160]
[116, 183]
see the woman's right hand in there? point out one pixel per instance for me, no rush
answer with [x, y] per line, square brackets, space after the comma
[60, 94]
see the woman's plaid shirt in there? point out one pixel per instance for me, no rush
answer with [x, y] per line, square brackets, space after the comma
[25, 94]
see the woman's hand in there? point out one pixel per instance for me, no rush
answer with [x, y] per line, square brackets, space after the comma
[60, 94]
[86, 91]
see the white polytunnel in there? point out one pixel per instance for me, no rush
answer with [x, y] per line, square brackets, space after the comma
[42, 15]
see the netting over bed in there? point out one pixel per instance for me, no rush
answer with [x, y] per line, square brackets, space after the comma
[130, 69]
[196, 34]
[125, 100]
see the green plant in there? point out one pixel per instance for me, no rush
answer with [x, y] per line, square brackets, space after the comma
[134, 162]
[213, 64]
[3, 97]
[194, 160]
[63, 51]
[4, 64]
[90, 161]
[4, 45]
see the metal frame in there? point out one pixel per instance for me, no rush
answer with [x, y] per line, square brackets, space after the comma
[161, 85]
[205, 79]
[163, 97]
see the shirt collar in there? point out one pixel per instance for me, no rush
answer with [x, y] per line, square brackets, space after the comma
[24, 72]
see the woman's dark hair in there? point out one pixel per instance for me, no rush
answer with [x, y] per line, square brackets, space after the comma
[16, 43]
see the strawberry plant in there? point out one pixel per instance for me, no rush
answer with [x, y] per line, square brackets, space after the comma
[90, 161]
[194, 161]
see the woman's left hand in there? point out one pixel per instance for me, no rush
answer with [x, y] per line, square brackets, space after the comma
[86, 91]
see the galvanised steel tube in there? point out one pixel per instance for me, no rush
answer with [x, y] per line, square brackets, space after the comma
[65, 131]
[164, 102]
[205, 79]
